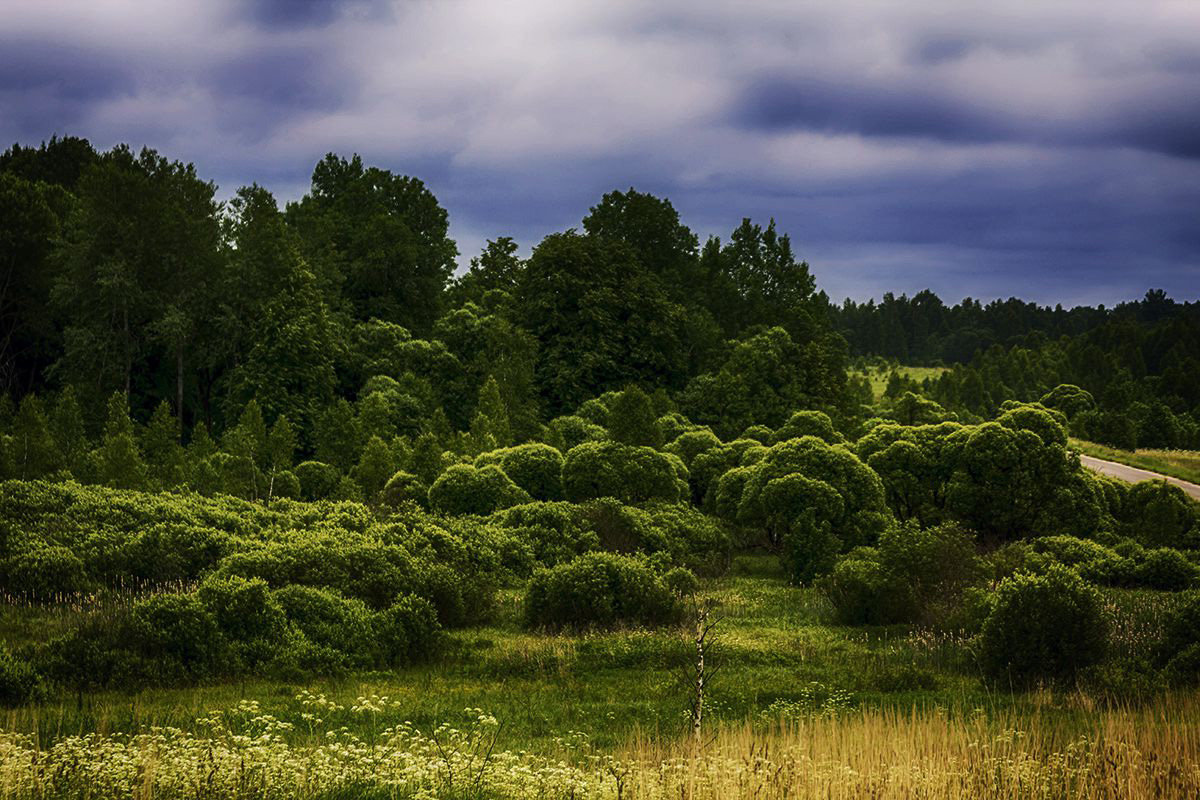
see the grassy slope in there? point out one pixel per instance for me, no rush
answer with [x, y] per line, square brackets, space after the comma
[1183, 464]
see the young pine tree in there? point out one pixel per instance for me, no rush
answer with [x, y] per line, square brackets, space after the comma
[120, 458]
[164, 454]
[33, 452]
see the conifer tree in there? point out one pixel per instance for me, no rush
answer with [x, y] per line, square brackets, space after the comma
[70, 437]
[120, 459]
[33, 451]
[374, 468]
[631, 419]
[164, 453]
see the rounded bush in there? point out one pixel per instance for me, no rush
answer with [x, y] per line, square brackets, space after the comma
[318, 480]
[245, 611]
[404, 487]
[759, 433]
[1049, 425]
[692, 443]
[1167, 569]
[46, 572]
[1162, 515]
[936, 562]
[535, 467]
[1043, 627]
[682, 582]
[464, 489]
[863, 592]
[627, 473]
[599, 590]
[808, 423]
[1179, 650]
[407, 631]
[554, 531]
[569, 432]
[331, 622]
[176, 637]
[286, 485]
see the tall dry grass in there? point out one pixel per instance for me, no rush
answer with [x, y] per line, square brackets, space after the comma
[1044, 748]
[1150, 752]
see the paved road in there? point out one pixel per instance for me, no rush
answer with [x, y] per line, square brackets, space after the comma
[1133, 474]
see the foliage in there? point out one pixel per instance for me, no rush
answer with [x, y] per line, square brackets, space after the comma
[599, 590]
[1043, 627]
[627, 473]
[534, 467]
[465, 489]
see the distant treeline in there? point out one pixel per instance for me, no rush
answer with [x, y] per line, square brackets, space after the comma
[121, 273]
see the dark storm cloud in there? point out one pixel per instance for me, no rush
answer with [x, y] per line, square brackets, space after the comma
[288, 78]
[290, 14]
[44, 80]
[842, 105]
[1047, 150]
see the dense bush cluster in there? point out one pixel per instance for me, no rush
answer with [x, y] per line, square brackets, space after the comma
[601, 590]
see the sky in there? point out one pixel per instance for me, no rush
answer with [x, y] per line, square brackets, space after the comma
[1048, 150]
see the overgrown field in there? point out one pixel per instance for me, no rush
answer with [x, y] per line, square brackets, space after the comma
[798, 707]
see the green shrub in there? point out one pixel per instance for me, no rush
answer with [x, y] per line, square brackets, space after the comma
[535, 467]
[814, 500]
[176, 639]
[1158, 514]
[808, 423]
[46, 572]
[1049, 425]
[464, 489]
[690, 444]
[627, 473]
[285, 484]
[555, 532]
[404, 487]
[407, 631]
[1179, 651]
[1043, 627]
[1167, 569]
[247, 614]
[567, 433]
[864, 592]
[681, 533]
[339, 628]
[759, 433]
[936, 563]
[682, 582]
[599, 590]
[19, 683]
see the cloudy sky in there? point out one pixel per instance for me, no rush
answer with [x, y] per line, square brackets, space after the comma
[1049, 150]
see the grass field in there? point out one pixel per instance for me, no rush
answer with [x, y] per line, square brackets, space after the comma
[878, 376]
[797, 707]
[777, 657]
[1182, 464]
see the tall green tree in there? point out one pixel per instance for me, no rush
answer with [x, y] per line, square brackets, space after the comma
[140, 251]
[601, 318]
[289, 340]
[378, 238]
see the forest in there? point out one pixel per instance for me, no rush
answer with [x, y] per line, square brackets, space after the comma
[294, 462]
